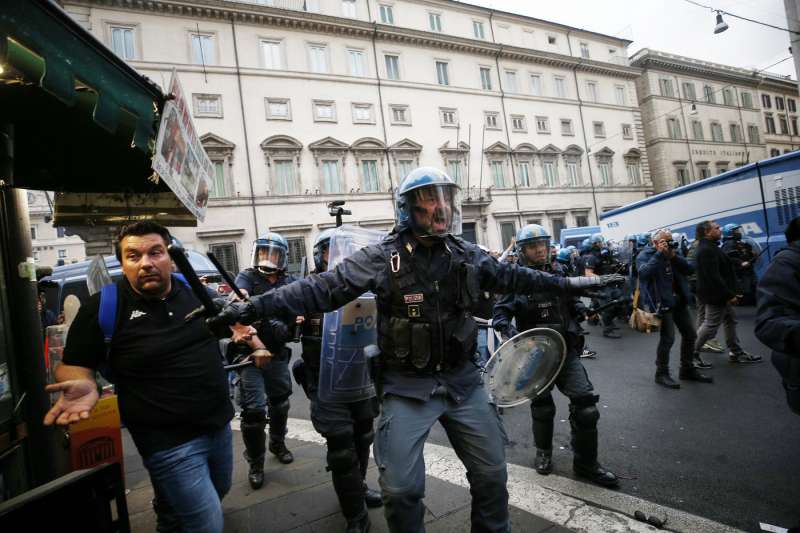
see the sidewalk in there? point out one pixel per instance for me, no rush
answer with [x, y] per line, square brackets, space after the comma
[299, 497]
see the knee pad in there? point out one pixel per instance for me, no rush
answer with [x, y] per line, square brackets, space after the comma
[586, 416]
[364, 434]
[279, 405]
[254, 417]
[543, 408]
[342, 456]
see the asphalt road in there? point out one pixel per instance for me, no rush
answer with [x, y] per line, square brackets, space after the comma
[726, 451]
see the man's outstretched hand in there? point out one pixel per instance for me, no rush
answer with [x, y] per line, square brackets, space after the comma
[78, 397]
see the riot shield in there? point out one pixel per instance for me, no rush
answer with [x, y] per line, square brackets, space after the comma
[524, 366]
[344, 370]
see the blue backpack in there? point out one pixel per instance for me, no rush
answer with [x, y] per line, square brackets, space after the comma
[107, 318]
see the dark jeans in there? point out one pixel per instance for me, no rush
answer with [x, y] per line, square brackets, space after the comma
[676, 317]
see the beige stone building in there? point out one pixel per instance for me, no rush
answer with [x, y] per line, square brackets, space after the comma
[701, 118]
[52, 246]
[302, 103]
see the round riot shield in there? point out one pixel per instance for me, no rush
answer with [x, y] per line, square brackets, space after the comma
[525, 365]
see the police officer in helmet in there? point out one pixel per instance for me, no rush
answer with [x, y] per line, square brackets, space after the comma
[600, 261]
[562, 313]
[347, 427]
[266, 386]
[426, 280]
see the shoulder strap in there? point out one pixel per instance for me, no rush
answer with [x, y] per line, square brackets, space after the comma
[107, 315]
[181, 278]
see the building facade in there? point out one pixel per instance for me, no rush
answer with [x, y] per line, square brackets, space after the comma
[302, 103]
[52, 246]
[700, 118]
[779, 99]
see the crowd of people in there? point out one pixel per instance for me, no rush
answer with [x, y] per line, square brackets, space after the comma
[430, 286]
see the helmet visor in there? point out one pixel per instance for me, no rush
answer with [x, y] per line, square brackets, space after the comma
[269, 257]
[435, 210]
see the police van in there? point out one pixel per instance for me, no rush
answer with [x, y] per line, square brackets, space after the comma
[71, 279]
[762, 197]
[575, 236]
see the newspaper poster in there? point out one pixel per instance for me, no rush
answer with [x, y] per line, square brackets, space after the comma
[180, 160]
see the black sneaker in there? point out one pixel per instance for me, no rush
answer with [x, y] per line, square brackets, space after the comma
[744, 358]
[543, 463]
[699, 362]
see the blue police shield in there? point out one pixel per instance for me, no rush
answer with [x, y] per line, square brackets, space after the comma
[525, 366]
[344, 371]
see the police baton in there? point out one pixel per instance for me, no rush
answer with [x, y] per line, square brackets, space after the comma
[225, 276]
[182, 262]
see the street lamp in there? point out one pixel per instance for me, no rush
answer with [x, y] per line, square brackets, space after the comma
[721, 24]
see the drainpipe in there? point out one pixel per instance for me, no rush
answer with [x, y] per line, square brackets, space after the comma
[505, 117]
[244, 127]
[583, 130]
[685, 130]
[380, 104]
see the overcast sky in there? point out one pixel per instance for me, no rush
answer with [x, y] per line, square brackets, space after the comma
[674, 26]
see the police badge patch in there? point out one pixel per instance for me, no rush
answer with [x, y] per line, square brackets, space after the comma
[413, 298]
[413, 311]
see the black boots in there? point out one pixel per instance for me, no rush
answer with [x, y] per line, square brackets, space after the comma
[358, 525]
[372, 497]
[596, 474]
[693, 374]
[256, 475]
[665, 380]
[253, 424]
[543, 463]
[278, 449]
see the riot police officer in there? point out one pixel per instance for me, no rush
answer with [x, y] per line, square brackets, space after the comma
[600, 261]
[266, 387]
[426, 280]
[561, 313]
[347, 427]
[742, 256]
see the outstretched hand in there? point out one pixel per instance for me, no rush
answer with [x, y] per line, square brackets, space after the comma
[77, 398]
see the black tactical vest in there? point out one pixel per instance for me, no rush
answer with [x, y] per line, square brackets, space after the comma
[544, 309]
[426, 324]
[312, 339]
[261, 286]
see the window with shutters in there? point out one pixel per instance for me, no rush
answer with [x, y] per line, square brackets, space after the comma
[271, 54]
[599, 129]
[297, 251]
[400, 115]
[122, 41]
[477, 29]
[791, 105]
[442, 74]
[331, 177]
[708, 91]
[549, 176]
[542, 125]
[486, 78]
[727, 96]
[404, 166]
[207, 105]
[454, 170]
[619, 94]
[697, 130]
[736, 133]
[585, 50]
[560, 86]
[783, 124]
[770, 122]
[369, 175]
[511, 81]
[356, 62]
[674, 128]
[202, 48]
[387, 14]
[524, 171]
[566, 127]
[318, 58]
[688, 90]
[747, 100]
[716, 132]
[218, 188]
[435, 22]
[518, 123]
[448, 116]
[507, 233]
[349, 8]
[779, 103]
[591, 91]
[766, 101]
[627, 131]
[285, 182]
[392, 66]
[491, 120]
[498, 174]
[665, 85]
[225, 252]
[536, 84]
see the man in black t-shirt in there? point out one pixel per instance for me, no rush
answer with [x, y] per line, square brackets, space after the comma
[171, 386]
